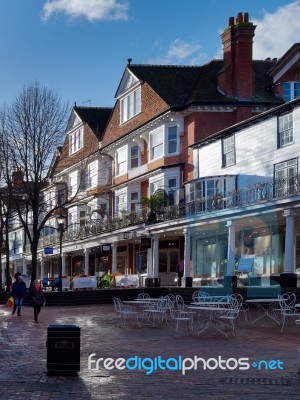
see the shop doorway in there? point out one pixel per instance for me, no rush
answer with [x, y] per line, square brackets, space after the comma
[167, 262]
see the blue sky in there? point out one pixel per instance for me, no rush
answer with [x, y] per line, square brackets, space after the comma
[80, 47]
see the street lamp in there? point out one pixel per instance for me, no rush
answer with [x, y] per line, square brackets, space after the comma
[61, 219]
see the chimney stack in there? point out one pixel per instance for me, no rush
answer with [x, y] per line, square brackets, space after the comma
[17, 179]
[236, 78]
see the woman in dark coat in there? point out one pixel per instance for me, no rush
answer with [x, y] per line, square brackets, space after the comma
[37, 298]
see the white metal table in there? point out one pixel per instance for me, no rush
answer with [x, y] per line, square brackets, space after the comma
[211, 314]
[266, 312]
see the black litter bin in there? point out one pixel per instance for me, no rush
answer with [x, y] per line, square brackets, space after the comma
[63, 348]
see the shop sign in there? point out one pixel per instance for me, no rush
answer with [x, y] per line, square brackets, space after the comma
[48, 250]
[96, 249]
[145, 243]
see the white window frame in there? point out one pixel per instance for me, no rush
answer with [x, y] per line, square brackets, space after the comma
[285, 130]
[291, 90]
[73, 183]
[130, 105]
[92, 174]
[287, 172]
[134, 204]
[160, 141]
[155, 185]
[228, 151]
[122, 160]
[76, 141]
[134, 159]
[157, 143]
[121, 202]
[171, 140]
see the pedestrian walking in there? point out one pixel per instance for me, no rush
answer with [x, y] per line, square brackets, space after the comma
[18, 291]
[37, 298]
[180, 271]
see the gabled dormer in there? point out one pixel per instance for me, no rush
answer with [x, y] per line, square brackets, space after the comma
[73, 121]
[75, 133]
[129, 95]
[286, 74]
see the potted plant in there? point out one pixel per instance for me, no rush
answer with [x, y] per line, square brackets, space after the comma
[153, 203]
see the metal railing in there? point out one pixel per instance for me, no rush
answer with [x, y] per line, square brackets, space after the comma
[257, 193]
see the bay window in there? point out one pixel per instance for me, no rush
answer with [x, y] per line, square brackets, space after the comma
[164, 141]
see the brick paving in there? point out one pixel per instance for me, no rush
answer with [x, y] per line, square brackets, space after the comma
[23, 357]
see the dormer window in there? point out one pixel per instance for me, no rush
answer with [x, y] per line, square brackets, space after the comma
[131, 105]
[291, 90]
[76, 141]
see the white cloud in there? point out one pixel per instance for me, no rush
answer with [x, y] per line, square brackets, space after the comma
[277, 32]
[181, 52]
[274, 35]
[92, 10]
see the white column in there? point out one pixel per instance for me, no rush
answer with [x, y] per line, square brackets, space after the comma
[51, 267]
[149, 263]
[42, 266]
[187, 252]
[3, 271]
[289, 251]
[86, 261]
[231, 248]
[24, 266]
[63, 264]
[155, 257]
[114, 258]
[15, 266]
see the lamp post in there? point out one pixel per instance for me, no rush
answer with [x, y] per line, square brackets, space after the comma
[61, 228]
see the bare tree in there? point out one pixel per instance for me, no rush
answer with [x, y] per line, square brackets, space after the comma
[31, 130]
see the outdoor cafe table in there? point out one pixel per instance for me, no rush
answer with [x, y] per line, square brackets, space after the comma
[210, 303]
[147, 299]
[266, 312]
[138, 302]
[144, 303]
[212, 314]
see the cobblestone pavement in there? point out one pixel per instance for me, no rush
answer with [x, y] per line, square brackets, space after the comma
[23, 357]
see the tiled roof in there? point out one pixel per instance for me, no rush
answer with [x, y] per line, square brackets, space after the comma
[172, 83]
[181, 86]
[95, 117]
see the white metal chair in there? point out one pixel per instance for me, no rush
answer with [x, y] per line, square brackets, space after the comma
[125, 313]
[171, 301]
[182, 314]
[231, 313]
[201, 296]
[287, 302]
[142, 296]
[244, 308]
[156, 313]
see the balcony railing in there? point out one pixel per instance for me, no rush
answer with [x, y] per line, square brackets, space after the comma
[257, 193]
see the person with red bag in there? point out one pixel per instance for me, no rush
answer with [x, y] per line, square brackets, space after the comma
[18, 292]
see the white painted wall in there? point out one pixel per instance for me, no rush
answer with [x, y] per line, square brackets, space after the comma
[256, 153]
